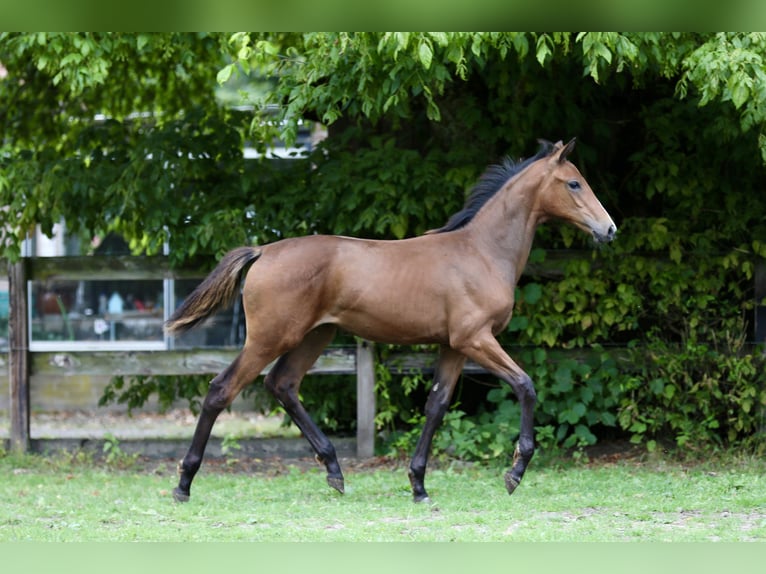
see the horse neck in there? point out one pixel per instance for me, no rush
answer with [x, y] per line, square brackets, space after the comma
[505, 226]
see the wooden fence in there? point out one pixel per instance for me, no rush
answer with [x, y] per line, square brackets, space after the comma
[357, 361]
[351, 361]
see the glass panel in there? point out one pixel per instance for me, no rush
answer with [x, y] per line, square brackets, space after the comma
[96, 311]
[225, 329]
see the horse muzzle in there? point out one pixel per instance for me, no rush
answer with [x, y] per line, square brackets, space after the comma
[605, 236]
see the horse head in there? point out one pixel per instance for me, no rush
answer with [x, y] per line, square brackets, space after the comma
[566, 195]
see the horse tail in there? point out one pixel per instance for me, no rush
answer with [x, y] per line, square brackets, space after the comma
[217, 291]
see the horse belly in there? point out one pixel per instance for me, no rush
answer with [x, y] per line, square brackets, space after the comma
[395, 317]
[383, 330]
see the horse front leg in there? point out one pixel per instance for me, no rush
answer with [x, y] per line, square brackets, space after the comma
[446, 375]
[486, 351]
[525, 448]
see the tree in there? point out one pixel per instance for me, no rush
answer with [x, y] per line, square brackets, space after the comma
[109, 131]
[433, 108]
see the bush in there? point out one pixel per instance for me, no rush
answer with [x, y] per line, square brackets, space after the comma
[694, 394]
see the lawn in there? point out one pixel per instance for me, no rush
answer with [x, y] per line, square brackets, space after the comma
[69, 498]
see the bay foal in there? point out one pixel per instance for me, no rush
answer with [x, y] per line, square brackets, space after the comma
[453, 286]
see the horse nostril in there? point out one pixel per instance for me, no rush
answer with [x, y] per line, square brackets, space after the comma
[611, 232]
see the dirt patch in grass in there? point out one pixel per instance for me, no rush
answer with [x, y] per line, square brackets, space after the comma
[613, 452]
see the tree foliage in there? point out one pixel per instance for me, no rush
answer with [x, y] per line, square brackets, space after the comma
[126, 132]
[163, 161]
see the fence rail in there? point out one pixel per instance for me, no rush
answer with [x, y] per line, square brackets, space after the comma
[22, 362]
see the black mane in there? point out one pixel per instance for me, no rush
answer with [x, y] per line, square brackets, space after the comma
[492, 181]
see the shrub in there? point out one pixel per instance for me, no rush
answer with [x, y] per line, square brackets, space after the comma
[694, 393]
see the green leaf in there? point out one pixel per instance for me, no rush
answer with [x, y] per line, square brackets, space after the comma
[532, 293]
[563, 379]
[224, 74]
[543, 49]
[584, 434]
[399, 227]
[267, 47]
[608, 419]
[441, 38]
[425, 53]
[518, 323]
[141, 41]
[739, 94]
[578, 410]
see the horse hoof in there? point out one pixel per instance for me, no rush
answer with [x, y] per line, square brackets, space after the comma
[422, 499]
[337, 483]
[511, 483]
[180, 496]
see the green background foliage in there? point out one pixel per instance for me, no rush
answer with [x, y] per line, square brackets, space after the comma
[671, 137]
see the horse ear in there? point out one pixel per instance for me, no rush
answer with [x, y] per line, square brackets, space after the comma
[566, 150]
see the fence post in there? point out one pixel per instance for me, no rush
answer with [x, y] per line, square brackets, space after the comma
[365, 400]
[18, 365]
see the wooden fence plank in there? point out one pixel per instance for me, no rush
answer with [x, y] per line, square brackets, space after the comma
[18, 354]
[339, 360]
[365, 400]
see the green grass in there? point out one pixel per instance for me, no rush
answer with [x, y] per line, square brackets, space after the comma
[60, 499]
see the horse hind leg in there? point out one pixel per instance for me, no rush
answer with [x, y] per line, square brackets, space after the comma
[223, 390]
[284, 381]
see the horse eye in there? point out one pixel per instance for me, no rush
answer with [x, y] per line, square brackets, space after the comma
[573, 185]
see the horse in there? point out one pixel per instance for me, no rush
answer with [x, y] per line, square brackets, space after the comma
[452, 287]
